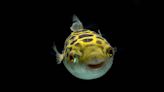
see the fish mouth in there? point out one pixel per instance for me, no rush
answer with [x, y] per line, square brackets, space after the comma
[95, 66]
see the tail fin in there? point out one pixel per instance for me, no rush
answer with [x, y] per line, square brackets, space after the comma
[77, 25]
[59, 56]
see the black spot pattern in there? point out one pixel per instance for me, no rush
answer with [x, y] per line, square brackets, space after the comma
[73, 42]
[98, 42]
[68, 51]
[87, 40]
[77, 44]
[72, 38]
[84, 35]
[99, 38]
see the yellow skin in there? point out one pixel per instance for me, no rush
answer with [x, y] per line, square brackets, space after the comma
[98, 47]
[86, 55]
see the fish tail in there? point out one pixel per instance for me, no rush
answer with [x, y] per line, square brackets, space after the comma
[77, 24]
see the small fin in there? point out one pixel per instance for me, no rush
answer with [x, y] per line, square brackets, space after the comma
[77, 25]
[59, 56]
[114, 50]
[99, 32]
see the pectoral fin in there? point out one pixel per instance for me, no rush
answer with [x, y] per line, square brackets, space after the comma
[99, 32]
[59, 56]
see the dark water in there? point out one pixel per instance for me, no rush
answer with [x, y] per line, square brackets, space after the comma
[122, 23]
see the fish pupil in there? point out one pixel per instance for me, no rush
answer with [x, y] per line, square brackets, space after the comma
[110, 51]
[71, 57]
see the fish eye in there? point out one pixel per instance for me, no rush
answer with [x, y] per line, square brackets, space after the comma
[71, 57]
[109, 51]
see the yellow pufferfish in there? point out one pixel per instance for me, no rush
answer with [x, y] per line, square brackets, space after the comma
[86, 55]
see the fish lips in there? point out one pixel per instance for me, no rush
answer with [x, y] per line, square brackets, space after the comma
[94, 64]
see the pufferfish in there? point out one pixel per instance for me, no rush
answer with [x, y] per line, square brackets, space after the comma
[86, 55]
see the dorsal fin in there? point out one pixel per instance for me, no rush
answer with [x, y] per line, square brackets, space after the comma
[77, 25]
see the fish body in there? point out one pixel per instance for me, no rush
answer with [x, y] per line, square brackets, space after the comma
[86, 55]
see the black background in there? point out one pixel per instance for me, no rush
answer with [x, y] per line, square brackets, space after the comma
[40, 24]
